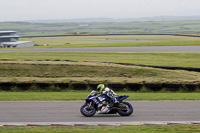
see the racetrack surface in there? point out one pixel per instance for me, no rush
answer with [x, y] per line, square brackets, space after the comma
[149, 49]
[69, 111]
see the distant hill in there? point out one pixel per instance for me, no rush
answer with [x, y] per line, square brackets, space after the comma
[157, 18]
[64, 28]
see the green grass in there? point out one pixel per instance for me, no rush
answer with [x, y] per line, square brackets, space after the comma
[109, 129]
[77, 70]
[81, 95]
[36, 71]
[151, 37]
[156, 59]
[78, 44]
[159, 40]
[60, 71]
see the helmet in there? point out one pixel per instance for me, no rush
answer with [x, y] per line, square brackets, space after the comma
[100, 87]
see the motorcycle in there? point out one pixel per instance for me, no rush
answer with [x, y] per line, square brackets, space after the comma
[103, 104]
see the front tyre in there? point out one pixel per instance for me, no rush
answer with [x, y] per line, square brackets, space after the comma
[87, 111]
[126, 109]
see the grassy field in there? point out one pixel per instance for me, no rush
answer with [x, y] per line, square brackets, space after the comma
[81, 95]
[36, 71]
[156, 59]
[158, 40]
[124, 37]
[110, 129]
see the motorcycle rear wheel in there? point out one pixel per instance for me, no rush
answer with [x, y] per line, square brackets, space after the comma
[126, 112]
[88, 112]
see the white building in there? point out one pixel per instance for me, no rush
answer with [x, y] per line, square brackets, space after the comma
[10, 39]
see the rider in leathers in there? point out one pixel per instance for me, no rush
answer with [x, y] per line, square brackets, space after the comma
[101, 89]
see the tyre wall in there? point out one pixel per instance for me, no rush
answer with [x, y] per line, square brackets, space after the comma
[137, 87]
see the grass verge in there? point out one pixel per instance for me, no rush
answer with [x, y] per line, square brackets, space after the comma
[90, 72]
[110, 129]
[159, 40]
[81, 95]
[156, 59]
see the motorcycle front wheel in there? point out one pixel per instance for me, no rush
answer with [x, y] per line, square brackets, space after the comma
[128, 110]
[87, 111]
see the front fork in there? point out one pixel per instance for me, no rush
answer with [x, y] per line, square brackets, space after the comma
[89, 105]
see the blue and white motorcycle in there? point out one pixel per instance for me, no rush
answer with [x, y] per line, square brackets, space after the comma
[103, 104]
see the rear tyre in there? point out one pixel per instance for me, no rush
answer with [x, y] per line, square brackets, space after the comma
[128, 110]
[86, 111]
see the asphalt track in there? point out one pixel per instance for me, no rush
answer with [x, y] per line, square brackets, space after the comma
[69, 111]
[149, 49]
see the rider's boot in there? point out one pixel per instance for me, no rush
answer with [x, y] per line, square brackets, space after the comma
[99, 107]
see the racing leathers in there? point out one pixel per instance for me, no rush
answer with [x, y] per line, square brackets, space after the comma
[110, 93]
[102, 108]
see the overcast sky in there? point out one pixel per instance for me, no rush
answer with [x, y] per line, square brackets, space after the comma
[19, 10]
